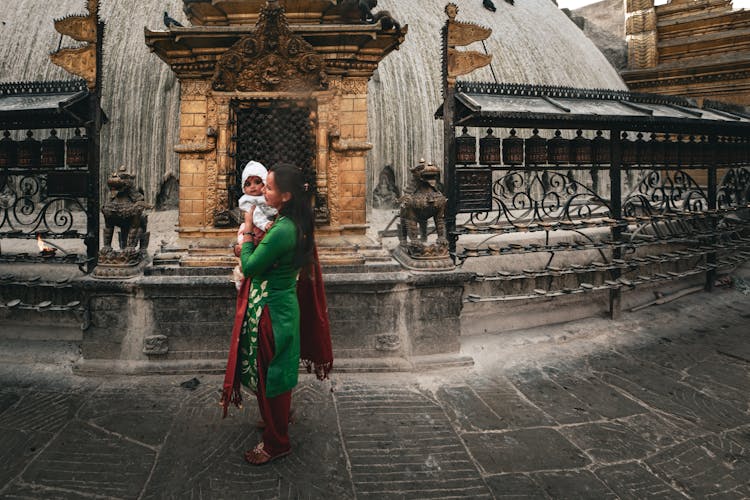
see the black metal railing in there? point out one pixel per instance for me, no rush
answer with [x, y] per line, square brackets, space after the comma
[46, 193]
[644, 190]
[556, 180]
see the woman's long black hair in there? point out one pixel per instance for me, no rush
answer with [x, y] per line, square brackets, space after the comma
[289, 179]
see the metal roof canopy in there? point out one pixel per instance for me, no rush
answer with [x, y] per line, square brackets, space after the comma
[37, 105]
[528, 106]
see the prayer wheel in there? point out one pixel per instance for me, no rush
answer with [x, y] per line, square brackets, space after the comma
[77, 150]
[513, 149]
[53, 151]
[29, 151]
[690, 154]
[8, 149]
[580, 149]
[627, 150]
[558, 149]
[640, 149]
[704, 151]
[600, 149]
[490, 152]
[722, 151]
[536, 149]
[658, 150]
[466, 148]
[671, 148]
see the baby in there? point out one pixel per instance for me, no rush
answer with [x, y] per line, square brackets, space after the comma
[254, 178]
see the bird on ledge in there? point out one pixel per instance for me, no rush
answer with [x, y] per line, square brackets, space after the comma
[171, 23]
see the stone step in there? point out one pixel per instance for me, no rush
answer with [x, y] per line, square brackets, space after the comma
[209, 261]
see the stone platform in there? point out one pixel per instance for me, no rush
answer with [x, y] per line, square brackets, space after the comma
[178, 319]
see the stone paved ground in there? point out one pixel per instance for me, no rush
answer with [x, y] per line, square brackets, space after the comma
[653, 406]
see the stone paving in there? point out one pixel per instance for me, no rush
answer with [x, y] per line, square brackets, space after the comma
[653, 406]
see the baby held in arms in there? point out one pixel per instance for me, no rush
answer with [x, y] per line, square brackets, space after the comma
[254, 178]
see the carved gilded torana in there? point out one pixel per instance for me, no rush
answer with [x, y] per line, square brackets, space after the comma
[271, 59]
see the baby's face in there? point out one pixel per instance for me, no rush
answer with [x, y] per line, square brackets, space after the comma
[253, 186]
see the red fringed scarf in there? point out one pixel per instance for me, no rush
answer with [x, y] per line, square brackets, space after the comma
[316, 351]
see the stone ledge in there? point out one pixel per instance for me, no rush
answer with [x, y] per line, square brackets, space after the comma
[216, 366]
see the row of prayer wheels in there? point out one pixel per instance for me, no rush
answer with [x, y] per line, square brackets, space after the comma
[51, 152]
[661, 149]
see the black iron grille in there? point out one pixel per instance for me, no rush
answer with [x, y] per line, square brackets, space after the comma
[272, 132]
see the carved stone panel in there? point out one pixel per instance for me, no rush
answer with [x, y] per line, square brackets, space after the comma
[271, 59]
[156, 345]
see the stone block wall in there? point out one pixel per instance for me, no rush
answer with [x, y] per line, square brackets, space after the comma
[385, 320]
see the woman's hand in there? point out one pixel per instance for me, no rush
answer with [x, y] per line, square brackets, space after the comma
[249, 226]
[249, 219]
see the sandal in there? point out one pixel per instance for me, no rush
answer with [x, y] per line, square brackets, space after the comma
[259, 456]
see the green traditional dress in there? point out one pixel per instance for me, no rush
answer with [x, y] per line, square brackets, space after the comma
[274, 285]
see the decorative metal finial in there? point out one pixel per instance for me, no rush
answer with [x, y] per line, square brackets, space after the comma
[451, 10]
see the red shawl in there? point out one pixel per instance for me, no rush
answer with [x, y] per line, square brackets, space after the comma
[316, 351]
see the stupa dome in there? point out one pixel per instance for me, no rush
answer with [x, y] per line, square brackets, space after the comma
[532, 42]
[140, 94]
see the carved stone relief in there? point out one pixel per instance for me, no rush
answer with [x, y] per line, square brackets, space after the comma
[271, 59]
[349, 85]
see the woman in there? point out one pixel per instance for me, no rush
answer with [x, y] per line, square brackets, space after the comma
[265, 350]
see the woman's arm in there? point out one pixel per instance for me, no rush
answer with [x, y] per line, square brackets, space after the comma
[278, 242]
[244, 234]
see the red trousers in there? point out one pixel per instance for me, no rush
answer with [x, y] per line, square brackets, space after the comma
[274, 411]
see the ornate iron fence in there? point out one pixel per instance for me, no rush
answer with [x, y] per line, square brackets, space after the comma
[46, 193]
[556, 183]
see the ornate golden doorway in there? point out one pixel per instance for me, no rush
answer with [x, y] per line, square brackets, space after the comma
[275, 131]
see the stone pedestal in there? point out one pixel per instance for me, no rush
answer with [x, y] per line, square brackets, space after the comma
[443, 263]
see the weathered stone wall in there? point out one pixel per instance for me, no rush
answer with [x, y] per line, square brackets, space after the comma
[378, 320]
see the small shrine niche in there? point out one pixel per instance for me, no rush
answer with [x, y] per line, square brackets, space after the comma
[278, 87]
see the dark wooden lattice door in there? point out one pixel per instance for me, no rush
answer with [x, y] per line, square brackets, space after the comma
[275, 131]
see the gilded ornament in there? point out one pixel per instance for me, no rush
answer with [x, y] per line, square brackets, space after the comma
[451, 10]
[80, 61]
[82, 29]
[273, 59]
[460, 34]
[462, 63]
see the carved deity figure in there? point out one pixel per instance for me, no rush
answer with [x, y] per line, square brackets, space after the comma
[417, 207]
[124, 209]
[386, 193]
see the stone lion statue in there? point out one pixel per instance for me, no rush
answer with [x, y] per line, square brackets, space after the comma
[124, 208]
[424, 202]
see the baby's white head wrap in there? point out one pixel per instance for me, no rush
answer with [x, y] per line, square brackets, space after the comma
[254, 169]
